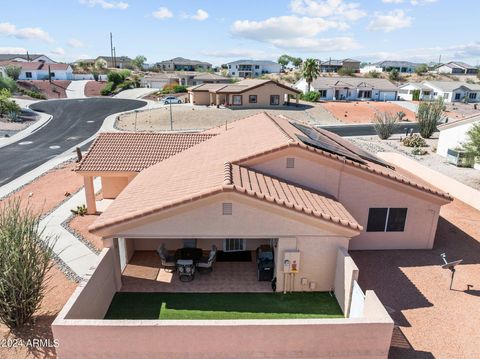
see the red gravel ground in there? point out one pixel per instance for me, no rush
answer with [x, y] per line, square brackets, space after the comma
[93, 88]
[434, 322]
[53, 90]
[80, 225]
[363, 112]
[48, 192]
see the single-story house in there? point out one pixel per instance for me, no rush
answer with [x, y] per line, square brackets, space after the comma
[185, 78]
[119, 62]
[457, 68]
[335, 65]
[245, 93]
[454, 134]
[415, 91]
[350, 88]
[252, 68]
[27, 58]
[454, 91]
[400, 66]
[40, 70]
[182, 64]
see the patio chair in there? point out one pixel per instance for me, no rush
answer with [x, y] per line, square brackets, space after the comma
[186, 270]
[206, 263]
[168, 262]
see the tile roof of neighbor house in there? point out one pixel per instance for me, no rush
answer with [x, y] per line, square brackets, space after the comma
[36, 65]
[135, 151]
[449, 86]
[256, 62]
[238, 87]
[469, 119]
[389, 63]
[209, 168]
[184, 61]
[418, 85]
[353, 82]
[8, 57]
[459, 64]
[205, 76]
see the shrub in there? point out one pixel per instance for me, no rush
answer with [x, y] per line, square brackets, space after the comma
[418, 151]
[179, 89]
[346, 71]
[80, 210]
[13, 71]
[384, 124]
[95, 75]
[401, 115]
[8, 83]
[416, 95]
[394, 75]
[429, 115]
[7, 106]
[373, 74]
[414, 141]
[311, 96]
[34, 94]
[25, 258]
[421, 69]
[473, 143]
[107, 89]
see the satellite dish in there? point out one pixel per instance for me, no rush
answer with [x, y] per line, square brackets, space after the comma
[450, 266]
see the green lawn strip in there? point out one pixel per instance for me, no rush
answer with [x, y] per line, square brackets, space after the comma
[223, 306]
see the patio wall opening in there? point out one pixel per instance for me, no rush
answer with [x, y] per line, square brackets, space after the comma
[82, 331]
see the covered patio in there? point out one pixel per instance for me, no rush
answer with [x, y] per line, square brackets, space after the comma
[144, 273]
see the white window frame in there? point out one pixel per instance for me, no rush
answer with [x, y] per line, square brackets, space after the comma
[240, 244]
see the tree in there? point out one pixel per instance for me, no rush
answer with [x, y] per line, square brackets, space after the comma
[297, 61]
[421, 69]
[310, 71]
[429, 115]
[13, 71]
[8, 83]
[139, 61]
[394, 75]
[7, 106]
[284, 60]
[473, 143]
[100, 64]
[25, 258]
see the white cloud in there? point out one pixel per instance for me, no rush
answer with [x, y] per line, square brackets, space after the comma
[392, 1]
[200, 15]
[106, 4]
[318, 45]
[13, 50]
[393, 20]
[58, 51]
[337, 9]
[25, 33]
[75, 43]
[422, 2]
[162, 13]
[238, 53]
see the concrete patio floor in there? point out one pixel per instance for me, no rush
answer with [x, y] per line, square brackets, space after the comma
[144, 274]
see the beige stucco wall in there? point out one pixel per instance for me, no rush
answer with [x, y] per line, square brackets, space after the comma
[358, 191]
[263, 95]
[346, 272]
[200, 98]
[112, 186]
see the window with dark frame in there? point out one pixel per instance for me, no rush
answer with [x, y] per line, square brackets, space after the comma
[252, 99]
[386, 219]
[28, 75]
[274, 99]
[237, 100]
[323, 93]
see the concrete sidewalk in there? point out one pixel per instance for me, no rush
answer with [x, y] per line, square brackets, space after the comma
[74, 253]
[134, 94]
[76, 89]
[447, 184]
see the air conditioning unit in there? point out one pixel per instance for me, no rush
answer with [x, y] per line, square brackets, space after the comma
[460, 158]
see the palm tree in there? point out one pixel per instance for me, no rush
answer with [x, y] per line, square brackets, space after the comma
[310, 71]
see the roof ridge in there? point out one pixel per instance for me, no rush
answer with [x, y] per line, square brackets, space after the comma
[282, 130]
[227, 174]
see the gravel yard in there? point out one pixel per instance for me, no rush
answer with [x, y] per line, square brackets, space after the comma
[187, 117]
[468, 176]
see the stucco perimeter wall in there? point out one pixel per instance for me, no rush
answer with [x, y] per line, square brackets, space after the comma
[345, 274]
[92, 298]
[363, 338]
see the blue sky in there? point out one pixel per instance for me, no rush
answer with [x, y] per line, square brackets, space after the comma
[220, 31]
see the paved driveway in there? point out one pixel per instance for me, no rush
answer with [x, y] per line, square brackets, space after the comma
[74, 121]
[76, 89]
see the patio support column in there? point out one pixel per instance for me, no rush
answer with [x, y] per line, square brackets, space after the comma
[90, 194]
[296, 100]
[116, 265]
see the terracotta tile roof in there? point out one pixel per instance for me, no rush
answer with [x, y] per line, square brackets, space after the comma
[290, 195]
[238, 87]
[35, 65]
[201, 171]
[133, 152]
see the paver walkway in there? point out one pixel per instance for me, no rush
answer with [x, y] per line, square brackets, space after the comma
[76, 89]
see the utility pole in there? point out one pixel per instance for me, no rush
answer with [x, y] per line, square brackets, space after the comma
[114, 57]
[111, 47]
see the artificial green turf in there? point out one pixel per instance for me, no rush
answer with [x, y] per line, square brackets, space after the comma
[128, 305]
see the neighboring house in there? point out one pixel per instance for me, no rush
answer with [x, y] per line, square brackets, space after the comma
[387, 66]
[263, 180]
[454, 91]
[86, 62]
[27, 58]
[182, 64]
[185, 78]
[335, 65]
[245, 93]
[351, 88]
[119, 62]
[407, 91]
[457, 68]
[252, 68]
[41, 71]
[454, 134]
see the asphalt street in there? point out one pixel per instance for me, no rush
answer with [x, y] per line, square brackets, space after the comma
[73, 122]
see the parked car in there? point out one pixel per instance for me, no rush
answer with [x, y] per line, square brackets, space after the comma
[265, 263]
[171, 100]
